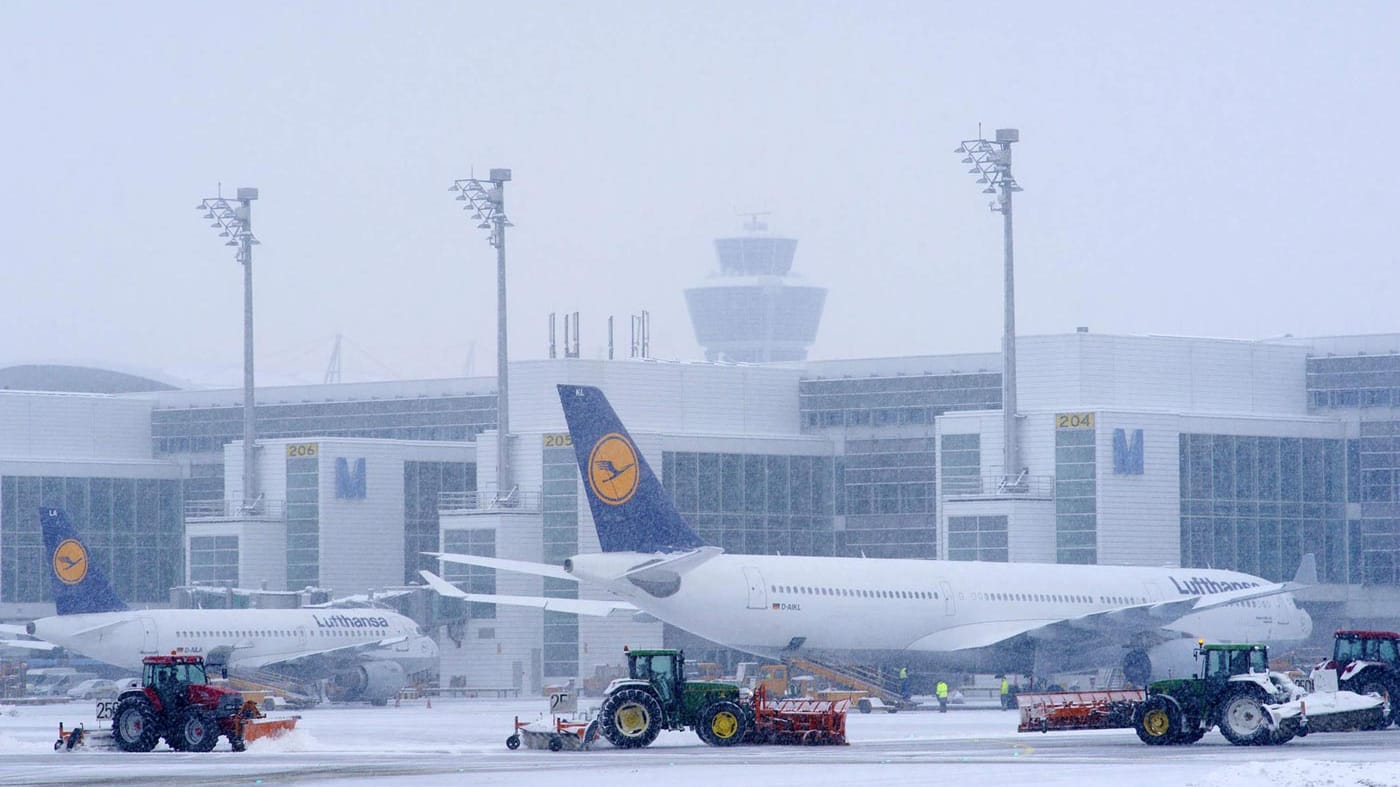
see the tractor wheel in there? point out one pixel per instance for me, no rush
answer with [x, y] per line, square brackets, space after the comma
[134, 725]
[1280, 736]
[722, 723]
[1191, 732]
[1157, 721]
[1242, 718]
[195, 729]
[1372, 683]
[631, 718]
[237, 743]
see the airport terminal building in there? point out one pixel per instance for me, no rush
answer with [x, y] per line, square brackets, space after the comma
[1136, 450]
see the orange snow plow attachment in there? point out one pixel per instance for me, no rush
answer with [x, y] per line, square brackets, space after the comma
[254, 724]
[1078, 710]
[798, 722]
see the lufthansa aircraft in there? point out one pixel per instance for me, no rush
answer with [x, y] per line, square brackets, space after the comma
[366, 652]
[986, 617]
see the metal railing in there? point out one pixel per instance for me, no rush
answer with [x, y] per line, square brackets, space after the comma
[517, 500]
[1042, 486]
[232, 509]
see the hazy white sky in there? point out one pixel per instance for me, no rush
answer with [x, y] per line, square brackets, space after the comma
[1222, 169]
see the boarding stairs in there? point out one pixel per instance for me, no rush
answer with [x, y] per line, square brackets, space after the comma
[857, 677]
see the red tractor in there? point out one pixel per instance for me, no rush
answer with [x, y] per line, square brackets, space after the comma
[175, 701]
[1368, 662]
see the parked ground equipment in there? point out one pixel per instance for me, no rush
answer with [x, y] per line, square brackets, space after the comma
[655, 696]
[1078, 710]
[176, 702]
[1367, 662]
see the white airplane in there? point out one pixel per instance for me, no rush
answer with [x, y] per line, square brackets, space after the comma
[1025, 618]
[365, 651]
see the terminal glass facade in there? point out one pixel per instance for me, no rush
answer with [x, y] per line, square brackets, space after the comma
[423, 482]
[205, 429]
[1076, 503]
[756, 504]
[1354, 381]
[133, 529]
[559, 515]
[1377, 454]
[214, 560]
[1257, 504]
[890, 401]
[303, 521]
[887, 495]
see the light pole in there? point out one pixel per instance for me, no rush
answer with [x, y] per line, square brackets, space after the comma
[487, 200]
[990, 161]
[234, 220]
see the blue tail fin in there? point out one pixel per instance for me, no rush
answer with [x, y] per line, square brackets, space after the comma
[78, 584]
[631, 510]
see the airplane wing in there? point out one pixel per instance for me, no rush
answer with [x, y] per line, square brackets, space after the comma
[1147, 618]
[343, 655]
[570, 605]
[29, 644]
[519, 566]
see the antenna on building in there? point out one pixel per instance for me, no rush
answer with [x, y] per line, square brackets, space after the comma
[333, 368]
[571, 351]
[756, 222]
[641, 335]
[470, 366]
[610, 337]
[552, 353]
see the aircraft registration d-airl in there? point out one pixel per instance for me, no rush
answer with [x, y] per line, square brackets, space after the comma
[366, 651]
[1026, 618]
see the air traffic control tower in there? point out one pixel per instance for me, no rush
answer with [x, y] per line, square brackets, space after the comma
[753, 310]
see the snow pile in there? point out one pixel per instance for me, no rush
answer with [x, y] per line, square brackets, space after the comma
[294, 740]
[1304, 773]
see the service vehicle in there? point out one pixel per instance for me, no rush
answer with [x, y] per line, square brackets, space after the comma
[1367, 662]
[655, 696]
[1233, 690]
[175, 701]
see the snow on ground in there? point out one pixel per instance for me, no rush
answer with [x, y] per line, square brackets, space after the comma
[463, 741]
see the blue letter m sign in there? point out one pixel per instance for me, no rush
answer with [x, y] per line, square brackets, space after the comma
[350, 484]
[1127, 454]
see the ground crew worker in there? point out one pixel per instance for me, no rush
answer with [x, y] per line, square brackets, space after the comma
[1005, 693]
[942, 691]
[904, 682]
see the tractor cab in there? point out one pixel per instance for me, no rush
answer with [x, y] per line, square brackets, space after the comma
[1223, 662]
[1380, 646]
[663, 669]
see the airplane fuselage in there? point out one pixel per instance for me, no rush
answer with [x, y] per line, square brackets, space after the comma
[945, 612]
[250, 637]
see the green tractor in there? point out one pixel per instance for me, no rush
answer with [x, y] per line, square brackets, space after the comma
[1231, 691]
[655, 695]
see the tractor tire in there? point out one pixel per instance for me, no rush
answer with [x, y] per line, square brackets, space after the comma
[135, 726]
[1280, 736]
[722, 723]
[1157, 721]
[195, 729]
[1371, 683]
[1192, 731]
[1242, 718]
[631, 718]
[237, 743]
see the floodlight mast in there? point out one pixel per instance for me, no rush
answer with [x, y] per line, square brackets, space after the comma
[234, 220]
[990, 160]
[487, 199]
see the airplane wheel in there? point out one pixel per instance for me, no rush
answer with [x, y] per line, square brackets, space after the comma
[134, 725]
[630, 718]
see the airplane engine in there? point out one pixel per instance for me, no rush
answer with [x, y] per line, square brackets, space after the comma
[373, 682]
[1172, 659]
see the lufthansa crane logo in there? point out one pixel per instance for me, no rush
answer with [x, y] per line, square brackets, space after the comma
[612, 469]
[70, 562]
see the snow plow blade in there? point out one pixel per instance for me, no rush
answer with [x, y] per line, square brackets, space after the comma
[253, 729]
[1077, 710]
[565, 736]
[798, 722]
[1341, 711]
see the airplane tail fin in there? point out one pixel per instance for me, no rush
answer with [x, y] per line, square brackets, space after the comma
[630, 508]
[78, 584]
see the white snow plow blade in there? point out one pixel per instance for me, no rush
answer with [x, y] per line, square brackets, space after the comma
[1340, 711]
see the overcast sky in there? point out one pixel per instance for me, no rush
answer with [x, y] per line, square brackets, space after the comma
[1217, 169]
